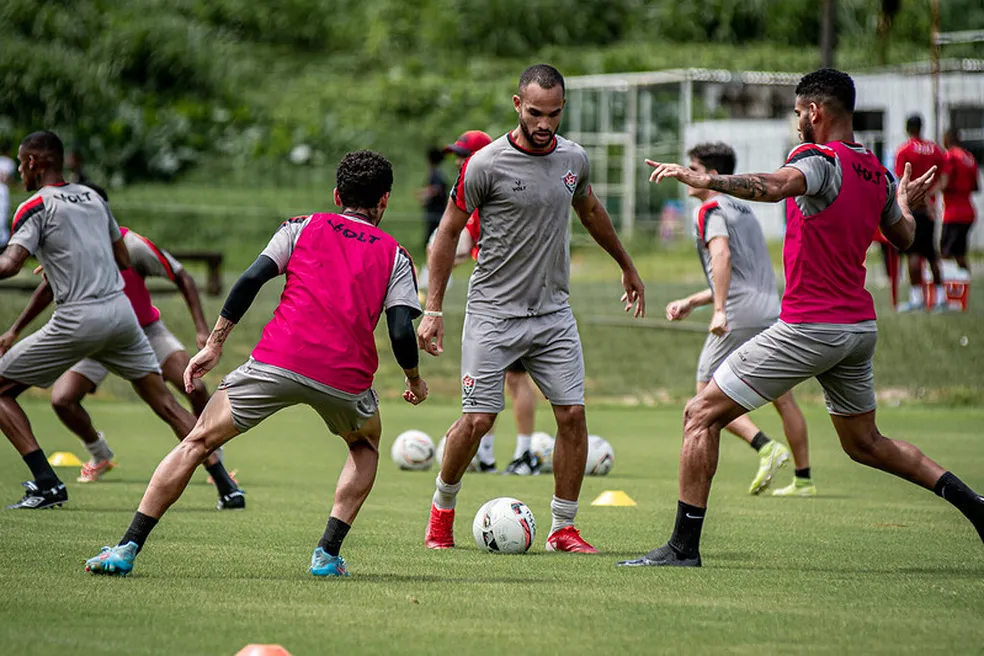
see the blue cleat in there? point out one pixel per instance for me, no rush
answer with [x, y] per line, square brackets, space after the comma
[323, 564]
[114, 561]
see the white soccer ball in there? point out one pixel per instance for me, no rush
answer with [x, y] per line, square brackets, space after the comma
[542, 446]
[504, 525]
[601, 457]
[413, 450]
[439, 456]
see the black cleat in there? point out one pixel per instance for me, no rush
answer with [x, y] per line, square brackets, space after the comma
[665, 556]
[35, 498]
[235, 500]
[525, 465]
[489, 468]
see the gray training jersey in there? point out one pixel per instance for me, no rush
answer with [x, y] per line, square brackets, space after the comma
[523, 200]
[148, 259]
[70, 229]
[753, 300]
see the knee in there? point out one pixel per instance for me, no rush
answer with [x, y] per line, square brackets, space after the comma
[861, 447]
[478, 424]
[696, 416]
[194, 446]
[62, 400]
[569, 417]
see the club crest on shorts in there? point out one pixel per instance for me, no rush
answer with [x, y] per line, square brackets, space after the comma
[467, 387]
[570, 180]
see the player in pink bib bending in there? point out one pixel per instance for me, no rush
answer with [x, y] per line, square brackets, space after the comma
[343, 273]
[837, 194]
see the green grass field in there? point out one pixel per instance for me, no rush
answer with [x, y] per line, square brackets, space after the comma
[872, 565]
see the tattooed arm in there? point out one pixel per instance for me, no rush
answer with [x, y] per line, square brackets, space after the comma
[762, 187]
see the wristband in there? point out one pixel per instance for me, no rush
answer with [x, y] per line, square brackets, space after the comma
[432, 313]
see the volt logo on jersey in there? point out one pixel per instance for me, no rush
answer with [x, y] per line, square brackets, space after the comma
[570, 180]
[519, 185]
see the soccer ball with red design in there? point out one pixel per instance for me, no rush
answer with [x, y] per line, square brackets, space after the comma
[413, 450]
[504, 525]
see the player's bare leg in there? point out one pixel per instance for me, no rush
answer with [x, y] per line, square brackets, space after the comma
[570, 455]
[794, 426]
[66, 399]
[523, 395]
[173, 370]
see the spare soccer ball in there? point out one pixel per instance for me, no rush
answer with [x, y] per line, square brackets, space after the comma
[504, 525]
[601, 457]
[413, 450]
[542, 446]
[439, 456]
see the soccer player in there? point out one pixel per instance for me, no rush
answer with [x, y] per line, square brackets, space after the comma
[523, 185]
[146, 259]
[7, 169]
[343, 273]
[742, 289]
[836, 194]
[922, 155]
[958, 210]
[71, 231]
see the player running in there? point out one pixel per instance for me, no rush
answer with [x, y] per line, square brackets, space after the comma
[836, 194]
[342, 273]
[742, 289]
[958, 209]
[72, 232]
[523, 186]
[146, 260]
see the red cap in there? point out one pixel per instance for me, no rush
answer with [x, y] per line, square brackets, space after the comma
[469, 143]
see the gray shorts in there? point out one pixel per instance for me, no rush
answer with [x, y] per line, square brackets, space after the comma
[784, 355]
[717, 348]
[257, 390]
[164, 343]
[105, 331]
[549, 346]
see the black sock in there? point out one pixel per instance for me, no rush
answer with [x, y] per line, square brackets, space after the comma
[760, 440]
[686, 532]
[965, 499]
[335, 532]
[43, 474]
[140, 528]
[803, 473]
[223, 481]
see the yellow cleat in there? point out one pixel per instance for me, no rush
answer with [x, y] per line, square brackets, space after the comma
[800, 487]
[772, 458]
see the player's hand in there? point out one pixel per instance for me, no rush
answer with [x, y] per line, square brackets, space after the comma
[663, 170]
[719, 323]
[678, 310]
[910, 193]
[201, 338]
[430, 335]
[7, 340]
[40, 269]
[635, 293]
[416, 391]
[203, 362]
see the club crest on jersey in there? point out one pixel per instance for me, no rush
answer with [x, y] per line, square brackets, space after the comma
[467, 387]
[570, 180]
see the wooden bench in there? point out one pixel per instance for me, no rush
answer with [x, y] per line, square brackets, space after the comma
[213, 263]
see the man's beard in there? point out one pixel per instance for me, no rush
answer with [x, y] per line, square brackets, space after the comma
[809, 134]
[529, 135]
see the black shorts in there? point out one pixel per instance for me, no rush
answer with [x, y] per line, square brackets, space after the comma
[924, 243]
[517, 367]
[955, 239]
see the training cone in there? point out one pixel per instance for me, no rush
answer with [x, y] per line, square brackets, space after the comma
[613, 498]
[64, 459]
[262, 650]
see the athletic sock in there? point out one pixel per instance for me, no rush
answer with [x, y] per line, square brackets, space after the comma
[43, 474]
[522, 446]
[940, 295]
[760, 440]
[486, 451]
[686, 532]
[335, 532]
[803, 473]
[563, 513]
[99, 450]
[446, 495]
[915, 295]
[223, 481]
[963, 498]
[139, 530]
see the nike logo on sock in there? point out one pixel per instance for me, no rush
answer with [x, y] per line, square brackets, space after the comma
[689, 516]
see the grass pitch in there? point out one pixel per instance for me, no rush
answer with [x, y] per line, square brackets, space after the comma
[872, 565]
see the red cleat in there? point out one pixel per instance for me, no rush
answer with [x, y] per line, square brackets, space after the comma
[440, 529]
[568, 539]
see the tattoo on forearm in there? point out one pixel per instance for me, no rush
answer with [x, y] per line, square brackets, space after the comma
[749, 187]
[223, 327]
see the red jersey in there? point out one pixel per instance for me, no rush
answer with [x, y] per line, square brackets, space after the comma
[961, 169]
[922, 155]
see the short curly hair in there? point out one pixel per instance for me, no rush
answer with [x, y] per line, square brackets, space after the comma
[830, 87]
[715, 156]
[362, 178]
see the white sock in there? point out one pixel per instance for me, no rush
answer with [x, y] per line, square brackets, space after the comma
[446, 495]
[99, 450]
[940, 294]
[522, 446]
[563, 513]
[915, 295]
[486, 452]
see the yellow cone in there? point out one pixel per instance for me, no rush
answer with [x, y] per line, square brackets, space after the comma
[64, 459]
[613, 498]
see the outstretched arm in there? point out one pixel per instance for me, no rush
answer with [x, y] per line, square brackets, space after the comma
[40, 299]
[763, 187]
[595, 219]
[189, 290]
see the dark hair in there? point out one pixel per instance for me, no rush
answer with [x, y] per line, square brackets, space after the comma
[435, 156]
[715, 156]
[830, 87]
[46, 143]
[952, 137]
[544, 75]
[913, 124]
[363, 177]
